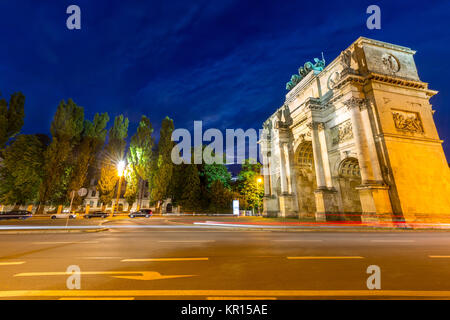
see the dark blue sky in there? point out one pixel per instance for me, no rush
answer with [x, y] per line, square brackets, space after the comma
[223, 62]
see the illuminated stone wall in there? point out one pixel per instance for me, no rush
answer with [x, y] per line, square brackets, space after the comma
[359, 138]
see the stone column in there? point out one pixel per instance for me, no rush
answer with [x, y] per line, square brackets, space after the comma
[353, 104]
[323, 195]
[374, 196]
[371, 143]
[317, 154]
[324, 154]
[266, 174]
[283, 181]
[288, 168]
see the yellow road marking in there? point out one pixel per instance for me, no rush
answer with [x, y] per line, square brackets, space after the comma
[222, 293]
[439, 257]
[64, 242]
[11, 263]
[132, 275]
[324, 258]
[97, 298]
[164, 259]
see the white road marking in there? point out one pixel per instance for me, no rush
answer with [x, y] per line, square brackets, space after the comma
[185, 241]
[165, 259]
[392, 240]
[299, 240]
[11, 263]
[324, 257]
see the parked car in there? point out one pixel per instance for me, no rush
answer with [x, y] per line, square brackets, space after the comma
[96, 214]
[16, 214]
[64, 216]
[147, 213]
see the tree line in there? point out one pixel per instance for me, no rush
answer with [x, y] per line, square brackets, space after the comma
[45, 170]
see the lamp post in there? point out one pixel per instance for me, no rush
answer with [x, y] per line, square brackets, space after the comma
[259, 180]
[120, 170]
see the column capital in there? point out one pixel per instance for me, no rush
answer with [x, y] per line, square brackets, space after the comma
[354, 102]
[315, 125]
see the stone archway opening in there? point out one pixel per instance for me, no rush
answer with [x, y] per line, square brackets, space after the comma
[306, 180]
[349, 178]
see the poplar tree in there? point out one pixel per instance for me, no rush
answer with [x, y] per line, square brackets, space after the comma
[140, 154]
[21, 170]
[11, 117]
[132, 186]
[190, 200]
[87, 151]
[113, 154]
[66, 129]
[162, 175]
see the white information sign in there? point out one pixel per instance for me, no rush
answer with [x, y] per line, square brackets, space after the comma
[236, 207]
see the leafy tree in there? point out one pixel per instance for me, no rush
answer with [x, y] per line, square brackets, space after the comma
[21, 170]
[132, 186]
[107, 182]
[162, 175]
[216, 172]
[221, 197]
[251, 191]
[66, 129]
[140, 154]
[86, 152]
[114, 153]
[11, 117]
[192, 189]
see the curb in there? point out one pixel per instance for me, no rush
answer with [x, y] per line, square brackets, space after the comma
[47, 231]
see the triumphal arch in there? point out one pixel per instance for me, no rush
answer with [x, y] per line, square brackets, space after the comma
[356, 140]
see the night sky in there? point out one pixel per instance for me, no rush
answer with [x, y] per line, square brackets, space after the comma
[223, 62]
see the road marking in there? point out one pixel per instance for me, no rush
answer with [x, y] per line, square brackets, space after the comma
[186, 241]
[97, 298]
[392, 240]
[299, 240]
[131, 275]
[64, 242]
[11, 263]
[223, 293]
[164, 259]
[440, 257]
[324, 258]
[241, 298]
[100, 258]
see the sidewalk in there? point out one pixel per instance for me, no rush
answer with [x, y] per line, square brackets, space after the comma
[259, 223]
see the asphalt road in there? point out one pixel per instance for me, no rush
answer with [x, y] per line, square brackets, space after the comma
[171, 262]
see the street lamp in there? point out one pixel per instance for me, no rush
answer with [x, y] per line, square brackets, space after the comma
[259, 180]
[120, 171]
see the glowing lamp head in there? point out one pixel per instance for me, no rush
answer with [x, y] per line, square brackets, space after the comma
[259, 180]
[120, 168]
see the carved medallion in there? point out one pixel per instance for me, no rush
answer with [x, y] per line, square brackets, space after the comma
[391, 63]
[407, 121]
